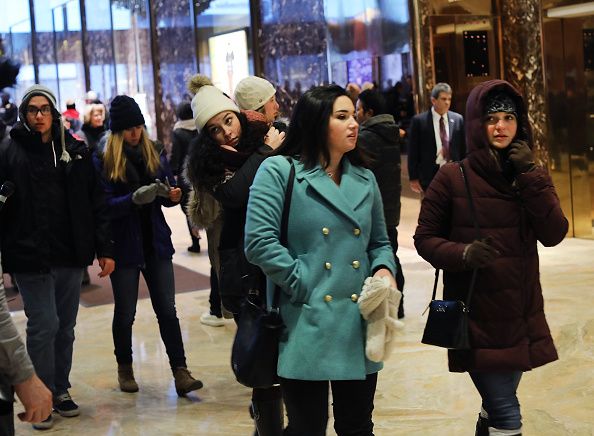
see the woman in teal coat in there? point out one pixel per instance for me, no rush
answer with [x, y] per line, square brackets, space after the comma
[336, 238]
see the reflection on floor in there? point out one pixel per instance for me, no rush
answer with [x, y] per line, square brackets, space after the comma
[416, 394]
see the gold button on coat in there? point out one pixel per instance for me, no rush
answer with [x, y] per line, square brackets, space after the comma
[354, 297]
[356, 231]
[325, 231]
[328, 298]
[328, 265]
[356, 264]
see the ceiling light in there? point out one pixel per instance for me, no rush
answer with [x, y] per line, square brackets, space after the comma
[571, 11]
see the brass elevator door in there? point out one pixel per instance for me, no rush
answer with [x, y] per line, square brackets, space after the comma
[569, 71]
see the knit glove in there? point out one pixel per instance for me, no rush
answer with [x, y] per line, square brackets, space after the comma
[521, 157]
[378, 304]
[480, 253]
[162, 188]
[145, 194]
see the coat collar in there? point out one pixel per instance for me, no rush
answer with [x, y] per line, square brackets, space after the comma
[355, 186]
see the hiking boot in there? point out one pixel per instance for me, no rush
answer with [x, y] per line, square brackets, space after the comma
[46, 424]
[208, 318]
[126, 378]
[184, 382]
[64, 405]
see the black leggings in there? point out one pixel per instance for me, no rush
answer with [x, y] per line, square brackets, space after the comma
[307, 406]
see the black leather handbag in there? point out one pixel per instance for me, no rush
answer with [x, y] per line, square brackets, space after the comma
[447, 322]
[254, 356]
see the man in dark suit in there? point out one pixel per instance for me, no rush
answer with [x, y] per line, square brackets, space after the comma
[435, 137]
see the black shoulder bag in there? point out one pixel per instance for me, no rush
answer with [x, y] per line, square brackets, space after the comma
[447, 322]
[254, 356]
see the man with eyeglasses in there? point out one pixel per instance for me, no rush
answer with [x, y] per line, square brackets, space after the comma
[50, 229]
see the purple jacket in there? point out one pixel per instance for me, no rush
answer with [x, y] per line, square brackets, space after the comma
[508, 329]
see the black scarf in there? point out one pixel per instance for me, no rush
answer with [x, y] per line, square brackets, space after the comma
[137, 173]
[233, 160]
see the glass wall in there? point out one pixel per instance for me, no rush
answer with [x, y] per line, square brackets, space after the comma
[177, 58]
[59, 48]
[15, 43]
[133, 57]
[148, 49]
[225, 42]
[314, 42]
[293, 46]
[99, 49]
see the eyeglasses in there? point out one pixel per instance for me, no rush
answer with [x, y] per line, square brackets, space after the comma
[34, 110]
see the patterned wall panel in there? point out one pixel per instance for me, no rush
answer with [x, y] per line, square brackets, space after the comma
[523, 65]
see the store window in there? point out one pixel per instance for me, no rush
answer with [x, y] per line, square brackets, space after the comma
[59, 48]
[100, 49]
[224, 42]
[15, 43]
[293, 46]
[177, 58]
[133, 58]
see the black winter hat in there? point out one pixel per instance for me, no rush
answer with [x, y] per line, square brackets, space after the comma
[124, 113]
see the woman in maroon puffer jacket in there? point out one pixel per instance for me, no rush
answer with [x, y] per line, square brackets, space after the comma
[516, 206]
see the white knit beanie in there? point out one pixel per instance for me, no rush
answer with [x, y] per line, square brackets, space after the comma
[43, 91]
[253, 92]
[208, 101]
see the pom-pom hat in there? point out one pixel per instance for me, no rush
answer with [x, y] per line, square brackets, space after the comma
[208, 101]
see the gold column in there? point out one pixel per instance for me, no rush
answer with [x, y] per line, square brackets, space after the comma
[423, 51]
[523, 64]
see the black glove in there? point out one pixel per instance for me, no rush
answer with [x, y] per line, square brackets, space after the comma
[480, 253]
[521, 157]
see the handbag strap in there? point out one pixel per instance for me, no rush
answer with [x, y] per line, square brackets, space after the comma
[478, 236]
[284, 226]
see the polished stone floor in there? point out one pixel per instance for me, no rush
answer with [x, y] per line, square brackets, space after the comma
[416, 394]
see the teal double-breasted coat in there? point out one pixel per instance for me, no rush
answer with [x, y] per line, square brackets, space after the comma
[336, 238]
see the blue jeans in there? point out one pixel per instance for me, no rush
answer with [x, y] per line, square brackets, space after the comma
[158, 274]
[51, 305]
[498, 392]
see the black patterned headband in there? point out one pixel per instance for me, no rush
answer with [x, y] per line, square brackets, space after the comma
[500, 102]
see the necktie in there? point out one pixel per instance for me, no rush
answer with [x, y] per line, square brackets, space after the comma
[445, 142]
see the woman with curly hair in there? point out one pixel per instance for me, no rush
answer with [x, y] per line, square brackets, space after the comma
[221, 166]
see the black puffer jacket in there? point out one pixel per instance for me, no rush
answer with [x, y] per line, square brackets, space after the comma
[380, 137]
[26, 246]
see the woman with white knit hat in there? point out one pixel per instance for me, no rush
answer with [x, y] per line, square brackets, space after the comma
[222, 164]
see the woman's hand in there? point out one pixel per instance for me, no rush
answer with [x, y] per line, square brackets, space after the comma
[384, 272]
[175, 195]
[227, 147]
[274, 138]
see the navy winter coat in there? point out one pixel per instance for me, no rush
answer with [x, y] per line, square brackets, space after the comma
[126, 221]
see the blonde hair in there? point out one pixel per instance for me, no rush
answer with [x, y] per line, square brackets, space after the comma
[89, 109]
[114, 158]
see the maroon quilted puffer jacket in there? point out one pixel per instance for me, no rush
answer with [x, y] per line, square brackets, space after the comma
[508, 328]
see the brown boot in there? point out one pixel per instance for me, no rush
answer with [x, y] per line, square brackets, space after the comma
[184, 382]
[126, 378]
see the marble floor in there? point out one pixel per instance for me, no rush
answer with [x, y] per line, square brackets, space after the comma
[416, 394]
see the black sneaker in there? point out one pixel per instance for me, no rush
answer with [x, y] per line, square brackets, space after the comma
[64, 405]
